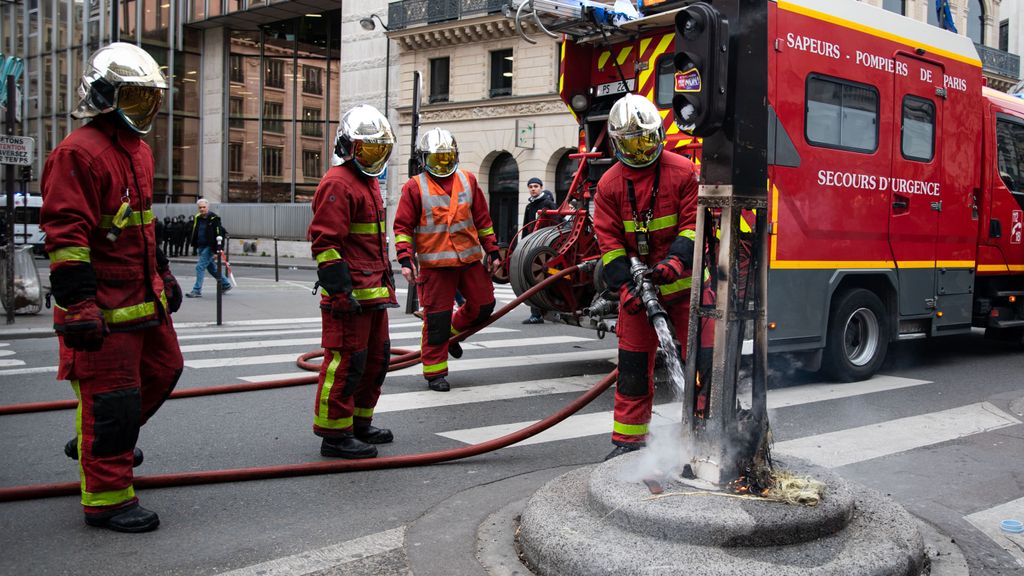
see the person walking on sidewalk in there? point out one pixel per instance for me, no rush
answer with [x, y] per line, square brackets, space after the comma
[113, 289]
[444, 210]
[356, 286]
[206, 227]
[540, 199]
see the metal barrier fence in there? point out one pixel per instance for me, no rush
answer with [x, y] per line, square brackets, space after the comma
[282, 221]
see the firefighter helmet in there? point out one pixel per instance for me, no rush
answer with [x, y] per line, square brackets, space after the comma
[124, 78]
[636, 131]
[438, 152]
[365, 138]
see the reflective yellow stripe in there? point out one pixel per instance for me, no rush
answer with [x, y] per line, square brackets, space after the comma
[485, 232]
[630, 429]
[362, 412]
[136, 219]
[454, 331]
[607, 257]
[371, 293]
[320, 419]
[403, 238]
[326, 255]
[654, 225]
[365, 227]
[691, 234]
[435, 367]
[71, 254]
[110, 498]
[678, 285]
[129, 313]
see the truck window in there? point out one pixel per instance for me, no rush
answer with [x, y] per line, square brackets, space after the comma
[841, 114]
[665, 82]
[1010, 144]
[917, 139]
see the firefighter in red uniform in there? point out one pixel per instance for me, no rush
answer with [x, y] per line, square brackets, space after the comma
[444, 214]
[348, 242]
[645, 207]
[113, 288]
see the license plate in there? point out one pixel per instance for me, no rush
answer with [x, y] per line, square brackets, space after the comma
[614, 87]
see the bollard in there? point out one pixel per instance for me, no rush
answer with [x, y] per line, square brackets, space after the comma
[277, 277]
[220, 274]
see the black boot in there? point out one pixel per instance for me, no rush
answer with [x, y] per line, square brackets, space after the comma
[71, 451]
[133, 519]
[439, 384]
[623, 448]
[373, 435]
[455, 350]
[348, 447]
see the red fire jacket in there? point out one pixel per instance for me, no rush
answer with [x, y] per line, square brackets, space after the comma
[348, 224]
[409, 216]
[85, 181]
[674, 214]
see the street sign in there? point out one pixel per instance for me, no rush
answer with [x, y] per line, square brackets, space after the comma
[17, 150]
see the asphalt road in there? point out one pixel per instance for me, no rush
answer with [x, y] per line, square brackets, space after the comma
[939, 430]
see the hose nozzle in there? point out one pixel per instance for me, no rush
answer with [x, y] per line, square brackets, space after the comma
[648, 294]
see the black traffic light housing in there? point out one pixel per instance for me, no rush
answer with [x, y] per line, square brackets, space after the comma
[702, 69]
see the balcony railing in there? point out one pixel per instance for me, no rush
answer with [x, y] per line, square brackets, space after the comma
[414, 12]
[998, 61]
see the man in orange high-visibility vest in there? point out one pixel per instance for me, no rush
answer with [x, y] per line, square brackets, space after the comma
[443, 213]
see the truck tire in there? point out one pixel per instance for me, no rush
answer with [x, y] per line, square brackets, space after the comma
[858, 336]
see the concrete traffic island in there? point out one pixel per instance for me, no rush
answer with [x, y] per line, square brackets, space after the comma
[602, 520]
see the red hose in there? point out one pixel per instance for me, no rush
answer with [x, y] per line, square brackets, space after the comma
[311, 468]
[404, 359]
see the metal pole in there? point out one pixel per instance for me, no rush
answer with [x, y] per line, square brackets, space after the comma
[277, 274]
[412, 302]
[12, 101]
[220, 274]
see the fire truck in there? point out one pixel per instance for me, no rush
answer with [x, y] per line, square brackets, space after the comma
[895, 177]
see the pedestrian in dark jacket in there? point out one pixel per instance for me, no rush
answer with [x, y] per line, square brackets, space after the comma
[206, 227]
[540, 199]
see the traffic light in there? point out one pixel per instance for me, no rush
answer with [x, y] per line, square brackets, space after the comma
[702, 69]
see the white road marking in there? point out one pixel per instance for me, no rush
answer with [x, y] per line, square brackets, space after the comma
[38, 370]
[862, 443]
[987, 521]
[315, 342]
[457, 396]
[328, 558]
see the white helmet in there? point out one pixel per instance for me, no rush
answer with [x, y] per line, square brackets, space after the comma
[636, 131]
[438, 152]
[125, 78]
[364, 137]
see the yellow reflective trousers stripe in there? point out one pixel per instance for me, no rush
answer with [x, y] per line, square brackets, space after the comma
[432, 368]
[71, 254]
[629, 429]
[320, 419]
[362, 412]
[327, 255]
[371, 293]
[129, 313]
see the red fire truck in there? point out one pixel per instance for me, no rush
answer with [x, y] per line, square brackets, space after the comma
[895, 177]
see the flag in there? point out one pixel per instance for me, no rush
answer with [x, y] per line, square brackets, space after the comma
[944, 15]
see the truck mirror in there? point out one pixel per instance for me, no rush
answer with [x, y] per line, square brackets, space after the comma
[702, 69]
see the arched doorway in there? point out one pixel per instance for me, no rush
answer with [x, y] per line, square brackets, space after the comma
[564, 172]
[504, 192]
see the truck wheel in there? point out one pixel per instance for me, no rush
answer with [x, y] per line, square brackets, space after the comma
[858, 336]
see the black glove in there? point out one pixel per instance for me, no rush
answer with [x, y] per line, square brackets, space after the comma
[630, 301]
[81, 325]
[668, 271]
[172, 291]
[335, 278]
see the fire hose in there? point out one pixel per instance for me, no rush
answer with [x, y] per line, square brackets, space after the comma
[403, 359]
[314, 468]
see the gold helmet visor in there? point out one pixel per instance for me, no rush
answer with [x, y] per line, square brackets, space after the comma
[638, 149]
[441, 163]
[139, 105]
[370, 156]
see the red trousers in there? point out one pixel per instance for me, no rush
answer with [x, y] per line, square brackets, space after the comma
[357, 349]
[436, 289]
[634, 392]
[119, 388]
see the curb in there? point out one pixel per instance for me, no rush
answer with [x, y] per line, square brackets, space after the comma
[286, 266]
[23, 333]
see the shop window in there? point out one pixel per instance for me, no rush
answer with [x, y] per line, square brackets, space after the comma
[503, 185]
[439, 76]
[501, 73]
[273, 159]
[917, 138]
[976, 21]
[841, 114]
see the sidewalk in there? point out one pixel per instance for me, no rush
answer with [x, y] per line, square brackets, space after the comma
[257, 261]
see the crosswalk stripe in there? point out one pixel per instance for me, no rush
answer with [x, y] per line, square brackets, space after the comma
[241, 334]
[262, 322]
[514, 343]
[315, 342]
[474, 364]
[581, 425]
[511, 390]
[862, 443]
[328, 559]
[988, 522]
[37, 370]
